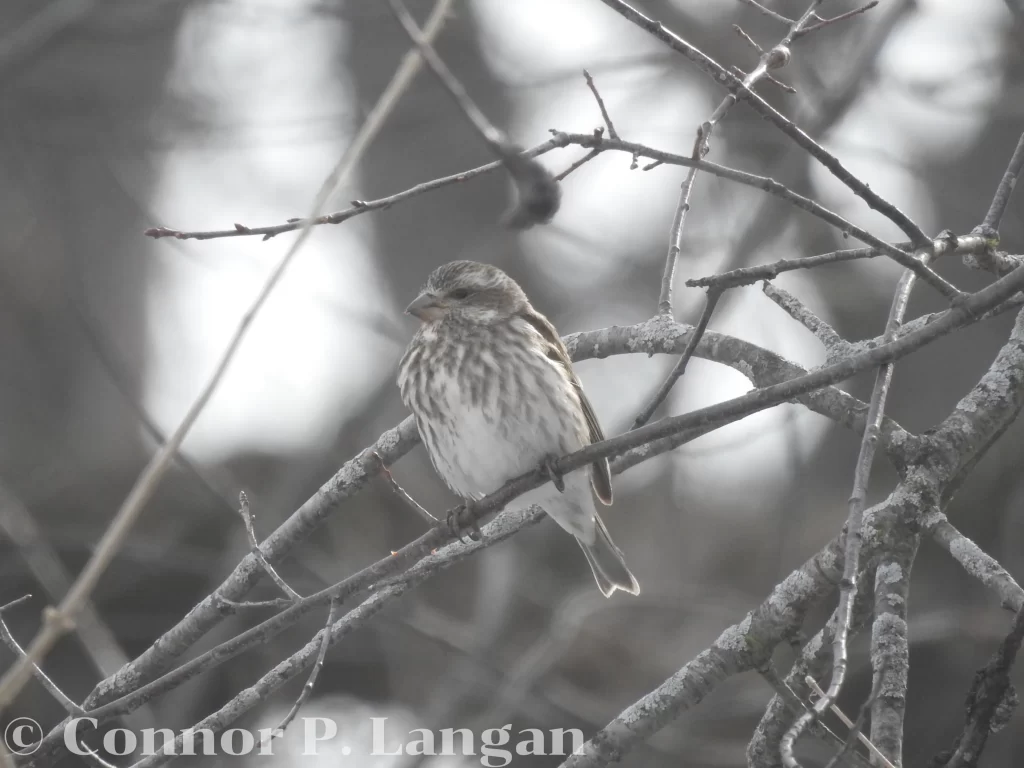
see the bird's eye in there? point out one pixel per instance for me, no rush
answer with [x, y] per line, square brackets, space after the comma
[460, 293]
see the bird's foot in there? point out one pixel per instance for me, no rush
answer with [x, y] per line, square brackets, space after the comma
[556, 478]
[460, 520]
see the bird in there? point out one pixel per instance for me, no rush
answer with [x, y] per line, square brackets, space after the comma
[494, 396]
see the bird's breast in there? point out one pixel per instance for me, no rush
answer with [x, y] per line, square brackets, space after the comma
[489, 408]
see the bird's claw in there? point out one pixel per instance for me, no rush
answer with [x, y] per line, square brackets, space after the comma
[556, 478]
[460, 520]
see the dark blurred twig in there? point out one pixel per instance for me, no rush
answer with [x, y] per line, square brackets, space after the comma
[538, 194]
[357, 208]
[990, 702]
[20, 526]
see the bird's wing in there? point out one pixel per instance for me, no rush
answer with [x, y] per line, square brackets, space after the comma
[601, 474]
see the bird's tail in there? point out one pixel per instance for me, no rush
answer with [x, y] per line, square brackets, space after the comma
[607, 563]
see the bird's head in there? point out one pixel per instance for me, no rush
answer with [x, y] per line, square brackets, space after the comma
[468, 291]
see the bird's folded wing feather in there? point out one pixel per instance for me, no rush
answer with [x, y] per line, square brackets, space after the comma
[600, 476]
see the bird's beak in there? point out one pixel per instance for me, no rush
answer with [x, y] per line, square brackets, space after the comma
[426, 307]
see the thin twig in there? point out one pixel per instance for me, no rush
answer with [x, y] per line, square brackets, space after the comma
[357, 208]
[577, 163]
[774, 59]
[307, 689]
[855, 517]
[722, 76]
[710, 301]
[855, 727]
[768, 12]
[539, 196]
[51, 687]
[774, 188]
[989, 694]
[600, 105]
[989, 227]
[254, 546]
[749, 275]
[59, 621]
[279, 602]
[834, 19]
[404, 495]
[797, 706]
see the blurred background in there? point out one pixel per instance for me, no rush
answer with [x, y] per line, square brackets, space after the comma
[196, 114]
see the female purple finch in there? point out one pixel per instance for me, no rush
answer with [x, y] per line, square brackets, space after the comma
[494, 396]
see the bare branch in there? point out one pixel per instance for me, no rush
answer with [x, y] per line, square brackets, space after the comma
[774, 188]
[773, 59]
[890, 646]
[51, 687]
[814, 658]
[403, 495]
[539, 195]
[600, 105]
[974, 560]
[357, 208]
[967, 244]
[710, 301]
[777, 618]
[854, 521]
[254, 546]
[854, 726]
[767, 11]
[834, 344]
[721, 75]
[989, 227]
[307, 689]
[797, 707]
[834, 19]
